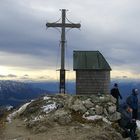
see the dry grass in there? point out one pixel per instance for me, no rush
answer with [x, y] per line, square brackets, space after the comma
[2, 125]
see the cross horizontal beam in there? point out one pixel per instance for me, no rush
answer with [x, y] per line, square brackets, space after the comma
[67, 25]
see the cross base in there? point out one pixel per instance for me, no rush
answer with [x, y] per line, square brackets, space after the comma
[62, 81]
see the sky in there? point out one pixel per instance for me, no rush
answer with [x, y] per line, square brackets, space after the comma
[29, 51]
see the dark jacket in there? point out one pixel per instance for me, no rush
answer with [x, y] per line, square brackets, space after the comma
[133, 101]
[126, 118]
[115, 93]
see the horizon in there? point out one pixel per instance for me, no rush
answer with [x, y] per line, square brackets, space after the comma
[71, 81]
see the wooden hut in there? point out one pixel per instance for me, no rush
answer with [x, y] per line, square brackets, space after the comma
[92, 72]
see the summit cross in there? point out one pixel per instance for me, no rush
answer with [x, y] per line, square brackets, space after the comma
[63, 27]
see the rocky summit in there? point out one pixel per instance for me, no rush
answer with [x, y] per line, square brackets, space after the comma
[65, 117]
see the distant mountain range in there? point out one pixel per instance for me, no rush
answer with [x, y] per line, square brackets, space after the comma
[125, 87]
[53, 87]
[16, 93]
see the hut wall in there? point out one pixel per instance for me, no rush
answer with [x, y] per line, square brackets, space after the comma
[92, 82]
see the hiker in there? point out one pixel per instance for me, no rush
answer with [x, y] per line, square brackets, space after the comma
[116, 94]
[127, 123]
[132, 101]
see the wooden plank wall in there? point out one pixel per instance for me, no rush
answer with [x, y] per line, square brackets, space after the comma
[92, 82]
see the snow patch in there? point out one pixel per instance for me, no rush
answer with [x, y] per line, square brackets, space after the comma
[138, 124]
[46, 98]
[97, 117]
[102, 98]
[49, 108]
[9, 107]
[17, 112]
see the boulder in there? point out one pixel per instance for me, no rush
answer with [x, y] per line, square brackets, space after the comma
[110, 103]
[92, 111]
[99, 110]
[111, 109]
[94, 99]
[105, 112]
[62, 117]
[112, 99]
[114, 117]
[69, 102]
[78, 106]
[88, 104]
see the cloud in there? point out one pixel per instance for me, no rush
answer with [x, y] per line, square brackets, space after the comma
[26, 75]
[25, 78]
[8, 76]
[2, 76]
[42, 77]
[11, 76]
[125, 77]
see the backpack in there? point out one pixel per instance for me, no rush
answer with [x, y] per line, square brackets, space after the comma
[128, 100]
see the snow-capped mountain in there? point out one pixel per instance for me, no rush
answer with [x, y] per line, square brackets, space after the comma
[14, 93]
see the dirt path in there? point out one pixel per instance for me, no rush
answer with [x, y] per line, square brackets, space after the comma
[17, 131]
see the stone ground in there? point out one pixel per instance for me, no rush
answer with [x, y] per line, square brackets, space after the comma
[18, 131]
[61, 118]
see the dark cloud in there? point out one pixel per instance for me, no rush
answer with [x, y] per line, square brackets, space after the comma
[125, 77]
[8, 76]
[24, 78]
[3, 76]
[26, 75]
[112, 27]
[11, 76]
[42, 77]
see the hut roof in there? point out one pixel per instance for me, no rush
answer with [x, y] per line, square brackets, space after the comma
[89, 60]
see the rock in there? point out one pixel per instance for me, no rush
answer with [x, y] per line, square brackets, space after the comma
[99, 110]
[127, 139]
[69, 102]
[62, 117]
[102, 100]
[112, 99]
[105, 112]
[94, 99]
[111, 109]
[86, 114]
[88, 104]
[60, 104]
[92, 111]
[108, 98]
[114, 117]
[110, 103]
[78, 106]
[42, 129]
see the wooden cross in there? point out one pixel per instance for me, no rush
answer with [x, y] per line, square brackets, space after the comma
[63, 26]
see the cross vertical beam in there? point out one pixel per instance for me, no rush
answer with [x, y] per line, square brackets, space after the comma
[62, 85]
[63, 26]
[63, 40]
